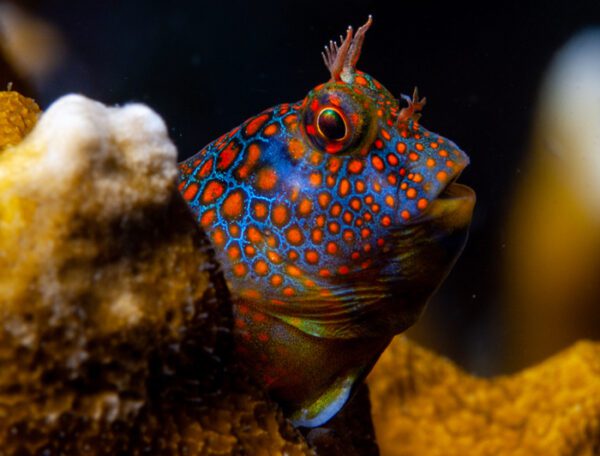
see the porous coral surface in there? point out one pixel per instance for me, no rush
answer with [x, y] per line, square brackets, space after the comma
[114, 322]
[423, 404]
[18, 115]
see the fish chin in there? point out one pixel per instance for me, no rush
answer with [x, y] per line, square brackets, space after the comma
[418, 259]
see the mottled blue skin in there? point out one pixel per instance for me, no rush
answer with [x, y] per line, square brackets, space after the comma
[365, 240]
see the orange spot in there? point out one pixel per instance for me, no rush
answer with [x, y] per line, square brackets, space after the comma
[334, 164]
[296, 148]
[233, 205]
[377, 163]
[294, 235]
[260, 210]
[206, 168]
[228, 155]
[208, 218]
[332, 248]
[360, 186]
[344, 187]
[442, 176]
[250, 250]
[218, 236]
[422, 203]
[288, 291]
[386, 221]
[403, 186]
[368, 199]
[430, 162]
[259, 317]
[348, 217]
[411, 193]
[316, 179]
[336, 210]
[379, 143]
[271, 129]
[261, 267]
[324, 273]
[253, 234]
[234, 252]
[274, 257]
[377, 186]
[212, 192]
[401, 147]
[239, 269]
[443, 153]
[413, 156]
[348, 235]
[293, 255]
[324, 199]
[405, 215]
[295, 192]
[276, 280]
[280, 215]
[305, 207]
[255, 124]
[263, 337]
[392, 159]
[234, 229]
[419, 146]
[316, 158]
[392, 179]
[355, 204]
[312, 256]
[367, 216]
[365, 233]
[344, 270]
[290, 119]
[418, 178]
[272, 241]
[390, 201]
[190, 192]
[321, 220]
[330, 181]
[360, 80]
[266, 179]
[385, 134]
[317, 235]
[434, 145]
[355, 166]
[334, 227]
[251, 159]
[449, 163]
[293, 271]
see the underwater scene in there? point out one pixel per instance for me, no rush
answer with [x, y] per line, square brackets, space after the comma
[299, 228]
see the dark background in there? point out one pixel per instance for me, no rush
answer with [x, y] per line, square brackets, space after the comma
[207, 66]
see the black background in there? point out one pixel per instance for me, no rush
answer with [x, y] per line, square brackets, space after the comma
[207, 66]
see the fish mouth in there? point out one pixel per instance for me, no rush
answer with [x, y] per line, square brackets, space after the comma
[454, 204]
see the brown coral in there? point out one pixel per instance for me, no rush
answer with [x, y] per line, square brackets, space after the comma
[425, 405]
[114, 324]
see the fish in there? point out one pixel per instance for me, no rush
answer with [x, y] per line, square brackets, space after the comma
[335, 219]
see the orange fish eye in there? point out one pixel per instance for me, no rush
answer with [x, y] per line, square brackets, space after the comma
[331, 125]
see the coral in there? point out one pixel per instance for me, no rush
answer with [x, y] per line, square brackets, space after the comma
[424, 404]
[114, 320]
[18, 115]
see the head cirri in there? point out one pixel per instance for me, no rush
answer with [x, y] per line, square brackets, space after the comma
[335, 218]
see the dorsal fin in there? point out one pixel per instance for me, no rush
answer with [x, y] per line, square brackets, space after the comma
[341, 59]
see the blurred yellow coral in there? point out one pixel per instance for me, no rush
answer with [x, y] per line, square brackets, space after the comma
[18, 115]
[423, 404]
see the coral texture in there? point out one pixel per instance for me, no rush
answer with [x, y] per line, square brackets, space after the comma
[114, 321]
[424, 405]
[18, 115]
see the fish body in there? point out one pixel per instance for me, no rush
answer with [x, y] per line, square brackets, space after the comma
[335, 219]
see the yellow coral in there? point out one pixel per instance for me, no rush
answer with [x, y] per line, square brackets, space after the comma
[424, 405]
[18, 115]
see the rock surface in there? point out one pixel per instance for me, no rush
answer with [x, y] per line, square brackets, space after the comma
[114, 323]
[424, 405]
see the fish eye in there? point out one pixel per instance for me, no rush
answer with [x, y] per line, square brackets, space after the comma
[331, 125]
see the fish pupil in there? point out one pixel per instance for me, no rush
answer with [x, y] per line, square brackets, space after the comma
[331, 125]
